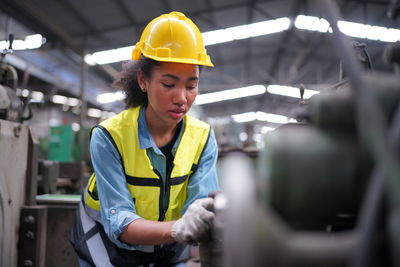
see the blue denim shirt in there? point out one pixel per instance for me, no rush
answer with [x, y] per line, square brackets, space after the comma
[117, 207]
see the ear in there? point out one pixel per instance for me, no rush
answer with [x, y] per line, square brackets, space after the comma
[141, 79]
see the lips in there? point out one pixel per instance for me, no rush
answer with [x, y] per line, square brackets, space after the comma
[176, 113]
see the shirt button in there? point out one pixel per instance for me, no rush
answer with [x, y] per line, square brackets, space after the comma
[113, 211]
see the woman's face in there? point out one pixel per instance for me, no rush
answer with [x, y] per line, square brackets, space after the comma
[171, 91]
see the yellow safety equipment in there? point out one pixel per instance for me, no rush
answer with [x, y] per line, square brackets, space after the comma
[172, 38]
[144, 182]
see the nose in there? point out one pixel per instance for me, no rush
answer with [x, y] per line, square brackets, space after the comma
[180, 97]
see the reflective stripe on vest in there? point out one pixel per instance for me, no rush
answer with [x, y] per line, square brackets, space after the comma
[144, 182]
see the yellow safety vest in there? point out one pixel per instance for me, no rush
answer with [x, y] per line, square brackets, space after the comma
[144, 182]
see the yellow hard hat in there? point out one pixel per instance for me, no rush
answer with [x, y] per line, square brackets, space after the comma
[172, 38]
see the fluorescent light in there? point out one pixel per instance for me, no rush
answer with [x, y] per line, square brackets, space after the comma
[30, 42]
[246, 31]
[270, 117]
[261, 116]
[353, 29]
[311, 23]
[230, 94]
[75, 127]
[217, 37]
[37, 95]
[59, 99]
[89, 60]
[110, 56]
[94, 112]
[25, 93]
[244, 117]
[266, 129]
[257, 138]
[390, 35]
[303, 22]
[33, 41]
[369, 32]
[18, 45]
[243, 136]
[106, 98]
[107, 114]
[110, 97]
[209, 38]
[73, 102]
[290, 91]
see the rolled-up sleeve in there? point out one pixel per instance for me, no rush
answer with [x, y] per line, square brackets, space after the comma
[117, 207]
[205, 179]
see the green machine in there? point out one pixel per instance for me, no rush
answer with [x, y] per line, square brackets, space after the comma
[61, 143]
[67, 145]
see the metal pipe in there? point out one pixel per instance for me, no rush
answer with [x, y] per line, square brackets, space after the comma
[83, 107]
[373, 202]
[371, 122]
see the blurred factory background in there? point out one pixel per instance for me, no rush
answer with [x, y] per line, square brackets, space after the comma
[277, 63]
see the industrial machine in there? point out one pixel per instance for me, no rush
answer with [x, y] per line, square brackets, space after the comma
[326, 191]
[33, 231]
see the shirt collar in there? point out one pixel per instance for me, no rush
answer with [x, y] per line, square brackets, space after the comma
[145, 139]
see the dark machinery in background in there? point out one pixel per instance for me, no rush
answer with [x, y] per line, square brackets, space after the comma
[329, 188]
[328, 192]
[33, 230]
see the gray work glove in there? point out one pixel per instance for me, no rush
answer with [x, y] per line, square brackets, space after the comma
[196, 223]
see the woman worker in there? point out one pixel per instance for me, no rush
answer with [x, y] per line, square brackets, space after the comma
[154, 165]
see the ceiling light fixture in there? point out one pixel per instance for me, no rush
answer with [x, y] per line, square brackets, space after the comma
[353, 29]
[30, 42]
[246, 31]
[110, 97]
[266, 129]
[261, 116]
[94, 112]
[230, 94]
[36, 95]
[302, 22]
[311, 23]
[60, 99]
[209, 38]
[109, 56]
[290, 91]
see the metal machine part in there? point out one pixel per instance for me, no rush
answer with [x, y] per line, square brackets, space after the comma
[308, 204]
[11, 107]
[372, 126]
[14, 143]
[48, 174]
[44, 235]
[61, 177]
[31, 235]
[298, 169]
[254, 235]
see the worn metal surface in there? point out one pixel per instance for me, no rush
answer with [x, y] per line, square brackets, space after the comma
[32, 236]
[32, 169]
[59, 252]
[297, 164]
[44, 234]
[14, 139]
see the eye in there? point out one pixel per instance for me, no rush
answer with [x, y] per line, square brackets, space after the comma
[191, 87]
[168, 85]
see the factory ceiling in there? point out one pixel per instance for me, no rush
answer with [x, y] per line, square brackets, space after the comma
[289, 57]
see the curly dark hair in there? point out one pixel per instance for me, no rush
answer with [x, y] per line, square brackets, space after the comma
[127, 80]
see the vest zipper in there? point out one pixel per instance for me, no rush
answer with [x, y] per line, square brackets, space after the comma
[168, 188]
[161, 214]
